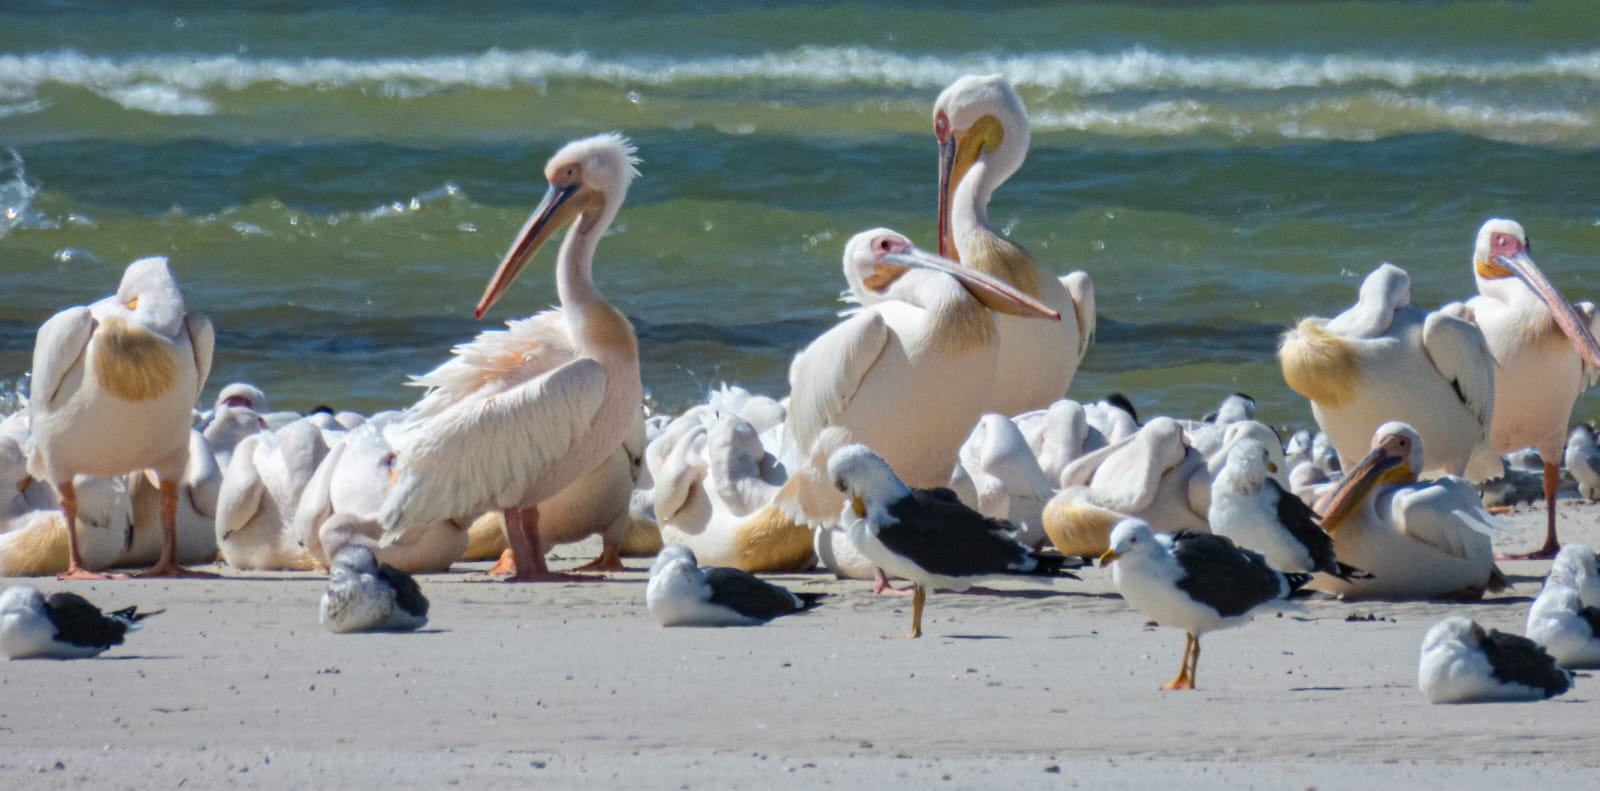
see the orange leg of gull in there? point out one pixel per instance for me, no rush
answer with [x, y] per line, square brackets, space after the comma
[527, 550]
[167, 565]
[69, 511]
[1191, 656]
[919, 596]
[1552, 481]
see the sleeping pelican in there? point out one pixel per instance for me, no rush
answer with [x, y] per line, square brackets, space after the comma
[982, 129]
[1006, 478]
[113, 391]
[1385, 359]
[907, 376]
[1418, 540]
[1544, 349]
[517, 414]
[255, 511]
[1059, 435]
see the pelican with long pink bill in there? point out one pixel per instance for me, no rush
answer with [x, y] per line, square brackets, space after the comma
[907, 375]
[1544, 349]
[981, 125]
[517, 414]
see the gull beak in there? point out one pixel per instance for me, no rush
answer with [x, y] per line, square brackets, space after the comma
[556, 210]
[1107, 556]
[995, 294]
[1566, 316]
[859, 507]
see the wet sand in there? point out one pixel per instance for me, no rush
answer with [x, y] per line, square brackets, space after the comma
[575, 686]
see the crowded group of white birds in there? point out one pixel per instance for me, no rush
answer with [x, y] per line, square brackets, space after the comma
[924, 437]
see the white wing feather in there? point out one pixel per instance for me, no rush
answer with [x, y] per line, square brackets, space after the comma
[826, 375]
[59, 346]
[1081, 288]
[1459, 353]
[203, 341]
[242, 488]
[1445, 514]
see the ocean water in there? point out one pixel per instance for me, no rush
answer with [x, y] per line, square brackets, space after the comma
[335, 181]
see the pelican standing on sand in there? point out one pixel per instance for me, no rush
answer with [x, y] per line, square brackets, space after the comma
[1544, 349]
[1418, 540]
[113, 391]
[982, 129]
[517, 414]
[1386, 359]
[907, 376]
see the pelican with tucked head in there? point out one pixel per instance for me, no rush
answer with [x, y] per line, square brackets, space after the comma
[1418, 539]
[982, 129]
[1544, 349]
[113, 391]
[1386, 359]
[517, 414]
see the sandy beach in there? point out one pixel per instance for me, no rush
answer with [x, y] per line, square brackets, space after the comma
[575, 686]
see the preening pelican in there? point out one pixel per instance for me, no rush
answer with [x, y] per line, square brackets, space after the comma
[982, 129]
[517, 414]
[907, 376]
[1418, 540]
[1152, 475]
[1544, 349]
[1386, 359]
[113, 391]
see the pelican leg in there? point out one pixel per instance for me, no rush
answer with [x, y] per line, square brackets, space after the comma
[1191, 654]
[880, 584]
[919, 597]
[610, 558]
[507, 564]
[527, 550]
[167, 565]
[69, 510]
[1552, 481]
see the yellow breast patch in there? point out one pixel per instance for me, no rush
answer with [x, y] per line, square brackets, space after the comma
[133, 363]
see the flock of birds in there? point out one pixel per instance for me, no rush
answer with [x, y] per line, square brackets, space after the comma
[924, 437]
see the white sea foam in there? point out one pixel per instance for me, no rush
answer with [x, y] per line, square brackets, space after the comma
[172, 83]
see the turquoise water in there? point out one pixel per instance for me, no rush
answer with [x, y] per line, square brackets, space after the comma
[334, 182]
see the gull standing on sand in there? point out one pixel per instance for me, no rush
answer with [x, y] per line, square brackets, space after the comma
[681, 592]
[63, 626]
[926, 535]
[906, 376]
[1250, 508]
[1193, 581]
[364, 595]
[1544, 350]
[517, 414]
[113, 391]
[1461, 663]
[982, 129]
[1386, 359]
[1418, 539]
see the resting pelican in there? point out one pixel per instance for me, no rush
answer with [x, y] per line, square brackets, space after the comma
[1152, 475]
[1385, 359]
[982, 129]
[198, 494]
[1544, 349]
[518, 414]
[113, 391]
[1418, 540]
[1007, 480]
[255, 511]
[1059, 435]
[906, 376]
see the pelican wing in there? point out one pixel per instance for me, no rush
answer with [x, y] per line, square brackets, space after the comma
[482, 453]
[316, 502]
[59, 346]
[826, 375]
[1459, 353]
[242, 489]
[1081, 288]
[1445, 514]
[679, 468]
[202, 341]
[1590, 373]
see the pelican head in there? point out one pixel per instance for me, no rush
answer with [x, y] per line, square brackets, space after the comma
[880, 259]
[242, 394]
[866, 479]
[588, 180]
[1395, 458]
[978, 119]
[1500, 258]
[148, 296]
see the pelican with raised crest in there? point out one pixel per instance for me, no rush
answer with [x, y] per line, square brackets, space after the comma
[517, 414]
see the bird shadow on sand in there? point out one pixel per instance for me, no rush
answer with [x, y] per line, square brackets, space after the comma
[1037, 593]
[974, 637]
[128, 657]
